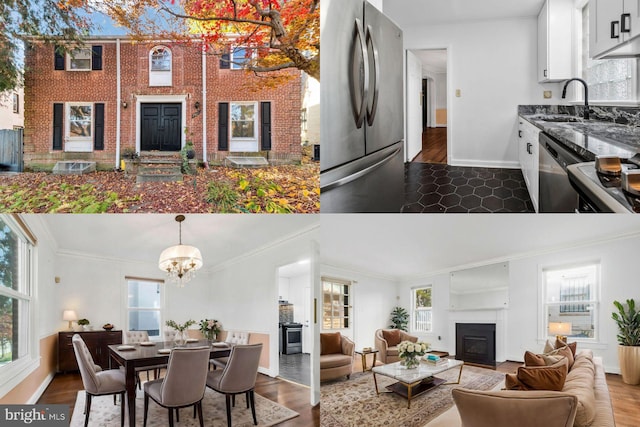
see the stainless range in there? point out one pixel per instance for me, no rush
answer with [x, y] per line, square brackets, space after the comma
[607, 185]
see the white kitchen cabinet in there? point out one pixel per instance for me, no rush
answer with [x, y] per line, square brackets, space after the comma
[554, 41]
[528, 155]
[612, 23]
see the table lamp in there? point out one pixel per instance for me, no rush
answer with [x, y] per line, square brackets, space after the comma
[71, 316]
[560, 330]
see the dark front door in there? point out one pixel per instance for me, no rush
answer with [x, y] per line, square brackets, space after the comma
[161, 127]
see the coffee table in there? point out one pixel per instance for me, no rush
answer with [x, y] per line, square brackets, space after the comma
[414, 382]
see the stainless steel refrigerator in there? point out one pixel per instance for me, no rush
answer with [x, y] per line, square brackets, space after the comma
[361, 107]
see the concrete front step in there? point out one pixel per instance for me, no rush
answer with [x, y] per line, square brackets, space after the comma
[158, 173]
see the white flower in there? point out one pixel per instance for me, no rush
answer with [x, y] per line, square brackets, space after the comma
[410, 348]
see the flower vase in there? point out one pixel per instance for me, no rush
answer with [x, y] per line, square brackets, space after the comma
[180, 338]
[411, 362]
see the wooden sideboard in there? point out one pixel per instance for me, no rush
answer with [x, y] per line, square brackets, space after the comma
[97, 342]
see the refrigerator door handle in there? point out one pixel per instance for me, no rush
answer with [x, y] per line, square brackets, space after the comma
[360, 173]
[359, 105]
[371, 114]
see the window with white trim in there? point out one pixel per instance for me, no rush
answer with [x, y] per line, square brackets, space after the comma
[160, 66]
[16, 257]
[144, 306]
[336, 304]
[243, 120]
[79, 121]
[609, 80]
[421, 313]
[571, 295]
[16, 103]
[240, 56]
[79, 60]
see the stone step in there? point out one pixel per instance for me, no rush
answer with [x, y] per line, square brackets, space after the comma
[158, 174]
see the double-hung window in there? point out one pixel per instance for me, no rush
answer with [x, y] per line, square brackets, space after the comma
[17, 334]
[16, 103]
[240, 56]
[144, 306]
[421, 315]
[79, 60]
[336, 304]
[571, 298]
[244, 127]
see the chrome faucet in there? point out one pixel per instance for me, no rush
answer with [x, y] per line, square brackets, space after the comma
[586, 95]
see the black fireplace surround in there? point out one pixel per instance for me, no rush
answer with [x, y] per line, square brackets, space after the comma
[476, 343]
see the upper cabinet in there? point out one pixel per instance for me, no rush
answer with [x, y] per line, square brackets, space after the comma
[554, 41]
[613, 24]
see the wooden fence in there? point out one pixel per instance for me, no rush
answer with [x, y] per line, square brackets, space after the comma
[11, 150]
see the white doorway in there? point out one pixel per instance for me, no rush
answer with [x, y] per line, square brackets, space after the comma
[428, 133]
[294, 314]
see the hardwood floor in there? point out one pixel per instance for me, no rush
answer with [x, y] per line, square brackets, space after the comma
[434, 146]
[64, 388]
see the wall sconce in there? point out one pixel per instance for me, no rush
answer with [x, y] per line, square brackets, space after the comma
[124, 104]
[197, 105]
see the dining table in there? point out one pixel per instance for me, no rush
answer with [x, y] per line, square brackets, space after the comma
[140, 355]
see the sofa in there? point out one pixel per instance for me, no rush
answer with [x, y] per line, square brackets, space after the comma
[336, 356]
[386, 342]
[583, 401]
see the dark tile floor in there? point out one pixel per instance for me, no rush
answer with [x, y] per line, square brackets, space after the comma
[433, 188]
[296, 368]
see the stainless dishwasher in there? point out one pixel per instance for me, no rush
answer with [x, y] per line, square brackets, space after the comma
[556, 192]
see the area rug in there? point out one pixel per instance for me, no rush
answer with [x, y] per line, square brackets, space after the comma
[105, 413]
[354, 402]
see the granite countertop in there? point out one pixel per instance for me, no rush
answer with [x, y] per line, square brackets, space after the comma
[588, 138]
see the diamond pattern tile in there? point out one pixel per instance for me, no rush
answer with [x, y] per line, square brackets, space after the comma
[433, 188]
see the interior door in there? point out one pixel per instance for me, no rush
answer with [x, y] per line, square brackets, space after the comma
[161, 127]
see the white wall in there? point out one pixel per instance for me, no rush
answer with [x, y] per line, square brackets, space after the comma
[518, 327]
[373, 298]
[440, 80]
[493, 63]
[9, 119]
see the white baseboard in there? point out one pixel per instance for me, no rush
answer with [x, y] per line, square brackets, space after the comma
[485, 163]
[36, 395]
[267, 372]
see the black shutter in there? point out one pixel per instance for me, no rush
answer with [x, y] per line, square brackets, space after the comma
[224, 61]
[57, 126]
[265, 126]
[223, 126]
[96, 57]
[58, 59]
[98, 139]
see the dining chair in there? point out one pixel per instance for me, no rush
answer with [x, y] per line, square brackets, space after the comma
[97, 382]
[136, 337]
[183, 384]
[238, 376]
[170, 334]
[233, 337]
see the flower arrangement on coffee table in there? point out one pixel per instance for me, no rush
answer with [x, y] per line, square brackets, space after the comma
[409, 352]
[210, 328]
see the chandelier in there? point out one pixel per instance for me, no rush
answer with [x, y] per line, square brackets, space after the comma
[180, 262]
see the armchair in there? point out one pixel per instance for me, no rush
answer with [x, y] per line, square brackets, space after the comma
[387, 341]
[336, 356]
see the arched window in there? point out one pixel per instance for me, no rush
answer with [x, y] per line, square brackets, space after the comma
[160, 66]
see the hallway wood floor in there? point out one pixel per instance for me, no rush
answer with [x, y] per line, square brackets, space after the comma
[64, 388]
[434, 146]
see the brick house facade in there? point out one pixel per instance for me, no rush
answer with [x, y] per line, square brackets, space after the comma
[117, 95]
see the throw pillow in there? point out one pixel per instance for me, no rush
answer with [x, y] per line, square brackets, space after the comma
[543, 377]
[563, 351]
[511, 382]
[548, 346]
[391, 336]
[573, 346]
[532, 359]
[330, 343]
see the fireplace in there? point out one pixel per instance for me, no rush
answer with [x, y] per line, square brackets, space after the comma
[476, 343]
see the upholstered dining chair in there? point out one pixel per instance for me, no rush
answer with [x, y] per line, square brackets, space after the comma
[136, 337]
[97, 382]
[183, 384]
[235, 338]
[238, 376]
[169, 334]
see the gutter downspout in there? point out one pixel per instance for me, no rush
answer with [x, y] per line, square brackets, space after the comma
[118, 103]
[204, 107]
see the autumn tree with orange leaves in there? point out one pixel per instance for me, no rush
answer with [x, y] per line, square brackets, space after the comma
[268, 35]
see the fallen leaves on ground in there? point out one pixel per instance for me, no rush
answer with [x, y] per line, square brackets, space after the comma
[276, 189]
